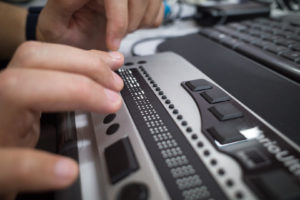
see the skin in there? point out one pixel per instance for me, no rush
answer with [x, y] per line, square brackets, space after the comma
[87, 23]
[68, 79]
[43, 77]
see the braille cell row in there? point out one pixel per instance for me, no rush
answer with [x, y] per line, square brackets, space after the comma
[165, 142]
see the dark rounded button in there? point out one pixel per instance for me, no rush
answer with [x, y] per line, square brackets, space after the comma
[206, 153]
[171, 106]
[128, 64]
[180, 117]
[189, 129]
[152, 82]
[200, 144]
[239, 195]
[109, 118]
[183, 123]
[168, 101]
[229, 183]
[164, 97]
[142, 62]
[161, 93]
[157, 89]
[221, 172]
[213, 162]
[194, 136]
[154, 85]
[175, 111]
[149, 79]
[134, 191]
[112, 129]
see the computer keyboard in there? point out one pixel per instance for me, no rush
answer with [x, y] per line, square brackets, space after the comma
[274, 43]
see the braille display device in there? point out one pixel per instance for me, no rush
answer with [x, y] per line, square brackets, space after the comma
[179, 135]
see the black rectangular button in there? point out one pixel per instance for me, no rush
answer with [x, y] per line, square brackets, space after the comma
[198, 85]
[215, 96]
[226, 111]
[278, 185]
[225, 134]
[120, 160]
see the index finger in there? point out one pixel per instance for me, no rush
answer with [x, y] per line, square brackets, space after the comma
[117, 22]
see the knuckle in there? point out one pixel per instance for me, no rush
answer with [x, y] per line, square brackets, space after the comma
[7, 81]
[26, 53]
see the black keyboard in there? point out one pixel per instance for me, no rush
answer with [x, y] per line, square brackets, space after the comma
[274, 43]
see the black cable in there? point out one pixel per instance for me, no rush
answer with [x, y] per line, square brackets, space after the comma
[146, 40]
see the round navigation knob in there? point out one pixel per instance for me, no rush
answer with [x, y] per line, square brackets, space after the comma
[134, 191]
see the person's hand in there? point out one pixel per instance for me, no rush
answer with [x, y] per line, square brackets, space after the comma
[51, 77]
[88, 23]
[25, 169]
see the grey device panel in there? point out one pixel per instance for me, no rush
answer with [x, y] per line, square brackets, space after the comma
[179, 135]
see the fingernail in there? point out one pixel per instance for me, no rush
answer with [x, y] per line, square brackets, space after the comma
[111, 95]
[65, 169]
[117, 78]
[116, 56]
[116, 42]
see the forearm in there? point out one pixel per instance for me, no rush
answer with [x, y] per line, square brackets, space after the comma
[12, 26]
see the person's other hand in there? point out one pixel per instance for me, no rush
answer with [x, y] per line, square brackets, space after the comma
[88, 23]
[28, 170]
[51, 77]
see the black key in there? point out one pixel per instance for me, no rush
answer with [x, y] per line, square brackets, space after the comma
[284, 42]
[231, 43]
[295, 47]
[198, 85]
[120, 160]
[215, 96]
[290, 69]
[293, 37]
[278, 185]
[226, 111]
[237, 26]
[291, 55]
[277, 49]
[225, 134]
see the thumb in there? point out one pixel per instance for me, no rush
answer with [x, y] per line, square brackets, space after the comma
[32, 170]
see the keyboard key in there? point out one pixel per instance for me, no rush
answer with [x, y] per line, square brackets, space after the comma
[225, 134]
[291, 70]
[215, 96]
[198, 85]
[277, 49]
[291, 55]
[226, 111]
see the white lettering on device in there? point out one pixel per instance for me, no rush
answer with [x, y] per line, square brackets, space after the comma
[282, 155]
